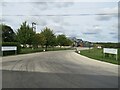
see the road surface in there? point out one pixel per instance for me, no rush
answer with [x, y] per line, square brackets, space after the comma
[57, 69]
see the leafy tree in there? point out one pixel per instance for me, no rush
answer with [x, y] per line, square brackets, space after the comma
[49, 36]
[61, 39]
[68, 42]
[25, 34]
[8, 34]
[53, 41]
[39, 39]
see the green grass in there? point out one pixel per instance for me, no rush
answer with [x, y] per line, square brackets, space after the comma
[98, 55]
[30, 50]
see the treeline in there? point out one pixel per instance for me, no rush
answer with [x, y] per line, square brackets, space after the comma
[109, 45]
[25, 35]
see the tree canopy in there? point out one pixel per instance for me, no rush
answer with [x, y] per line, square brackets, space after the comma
[25, 34]
[63, 40]
[39, 39]
[49, 36]
[8, 34]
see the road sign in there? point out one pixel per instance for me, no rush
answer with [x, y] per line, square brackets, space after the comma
[9, 48]
[110, 51]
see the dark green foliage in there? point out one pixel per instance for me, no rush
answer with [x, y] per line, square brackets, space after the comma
[39, 39]
[109, 45]
[63, 40]
[49, 37]
[8, 34]
[25, 34]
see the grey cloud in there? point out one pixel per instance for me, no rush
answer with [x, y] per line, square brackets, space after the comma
[115, 27]
[113, 33]
[40, 5]
[4, 19]
[33, 8]
[43, 23]
[57, 19]
[95, 29]
[51, 5]
[74, 35]
[62, 4]
[107, 13]
[115, 37]
[104, 17]
[89, 33]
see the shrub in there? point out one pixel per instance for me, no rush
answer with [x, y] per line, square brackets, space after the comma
[11, 44]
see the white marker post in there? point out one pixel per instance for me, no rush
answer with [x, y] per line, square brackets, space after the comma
[111, 51]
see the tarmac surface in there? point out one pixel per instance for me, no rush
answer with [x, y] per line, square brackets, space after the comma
[57, 69]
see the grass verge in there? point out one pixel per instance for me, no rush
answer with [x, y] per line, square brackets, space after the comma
[97, 54]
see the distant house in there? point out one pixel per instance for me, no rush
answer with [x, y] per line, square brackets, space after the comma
[80, 42]
[77, 42]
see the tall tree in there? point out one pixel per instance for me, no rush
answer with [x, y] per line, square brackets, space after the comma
[68, 42]
[25, 34]
[49, 36]
[8, 34]
[63, 40]
[39, 39]
[53, 41]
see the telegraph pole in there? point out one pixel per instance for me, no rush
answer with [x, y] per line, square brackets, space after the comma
[34, 26]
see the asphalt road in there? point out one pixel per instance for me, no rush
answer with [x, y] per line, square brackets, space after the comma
[57, 69]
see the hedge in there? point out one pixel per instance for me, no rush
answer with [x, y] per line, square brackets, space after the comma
[11, 44]
[109, 45]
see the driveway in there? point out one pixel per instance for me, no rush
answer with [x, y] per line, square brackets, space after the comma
[57, 69]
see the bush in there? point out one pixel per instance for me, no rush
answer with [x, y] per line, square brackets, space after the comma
[109, 45]
[11, 44]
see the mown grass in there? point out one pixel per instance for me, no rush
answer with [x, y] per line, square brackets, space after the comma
[97, 54]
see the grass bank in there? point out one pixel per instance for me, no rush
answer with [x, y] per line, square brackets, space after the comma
[97, 54]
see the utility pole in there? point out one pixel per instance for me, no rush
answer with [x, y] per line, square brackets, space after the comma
[34, 26]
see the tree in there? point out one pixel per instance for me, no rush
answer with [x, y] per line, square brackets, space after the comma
[8, 34]
[39, 39]
[63, 40]
[68, 42]
[53, 41]
[49, 36]
[25, 34]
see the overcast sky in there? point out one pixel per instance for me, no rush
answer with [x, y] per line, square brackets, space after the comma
[91, 21]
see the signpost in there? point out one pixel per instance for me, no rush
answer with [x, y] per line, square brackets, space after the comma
[111, 51]
[9, 48]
